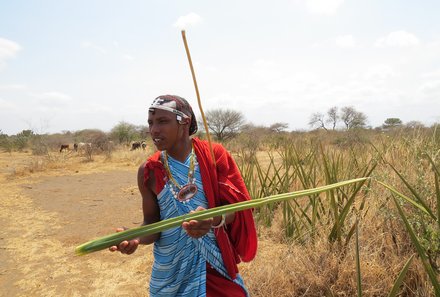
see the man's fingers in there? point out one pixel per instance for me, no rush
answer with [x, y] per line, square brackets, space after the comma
[120, 229]
[132, 246]
[125, 247]
[195, 234]
[122, 247]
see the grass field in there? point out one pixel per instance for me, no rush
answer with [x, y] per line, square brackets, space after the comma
[363, 239]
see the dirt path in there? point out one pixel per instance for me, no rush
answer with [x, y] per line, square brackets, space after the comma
[44, 218]
[46, 210]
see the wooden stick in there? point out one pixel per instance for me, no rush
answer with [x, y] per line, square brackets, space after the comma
[198, 95]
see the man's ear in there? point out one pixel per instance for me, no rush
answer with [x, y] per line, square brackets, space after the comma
[184, 121]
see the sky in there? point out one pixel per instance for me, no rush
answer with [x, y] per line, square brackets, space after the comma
[73, 65]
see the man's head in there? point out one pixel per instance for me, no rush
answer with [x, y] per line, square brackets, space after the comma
[171, 121]
[179, 106]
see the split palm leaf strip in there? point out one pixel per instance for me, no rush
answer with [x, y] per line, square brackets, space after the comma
[115, 238]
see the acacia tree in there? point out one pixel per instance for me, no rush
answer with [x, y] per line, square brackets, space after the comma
[353, 118]
[332, 117]
[224, 123]
[124, 132]
[278, 127]
[392, 123]
[414, 125]
[317, 121]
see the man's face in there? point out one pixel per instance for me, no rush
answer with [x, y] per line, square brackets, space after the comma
[164, 129]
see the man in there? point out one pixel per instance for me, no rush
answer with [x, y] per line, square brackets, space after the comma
[199, 258]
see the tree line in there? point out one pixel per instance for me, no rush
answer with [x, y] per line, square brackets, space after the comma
[350, 118]
[223, 124]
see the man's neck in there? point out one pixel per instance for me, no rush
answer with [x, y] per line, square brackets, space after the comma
[181, 151]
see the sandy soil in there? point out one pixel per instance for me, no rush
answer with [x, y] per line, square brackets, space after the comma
[45, 215]
[48, 207]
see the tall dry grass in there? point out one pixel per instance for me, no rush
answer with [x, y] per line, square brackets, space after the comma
[308, 246]
[51, 161]
[315, 238]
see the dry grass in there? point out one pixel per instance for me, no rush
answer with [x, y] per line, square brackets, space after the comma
[24, 164]
[318, 268]
[315, 266]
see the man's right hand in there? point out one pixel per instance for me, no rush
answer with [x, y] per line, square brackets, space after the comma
[127, 246]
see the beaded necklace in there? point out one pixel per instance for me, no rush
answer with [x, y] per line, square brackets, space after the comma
[186, 192]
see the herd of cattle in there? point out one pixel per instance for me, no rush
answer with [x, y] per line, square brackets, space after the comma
[87, 146]
[135, 145]
[80, 146]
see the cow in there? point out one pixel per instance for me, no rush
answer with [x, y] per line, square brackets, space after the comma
[64, 147]
[138, 145]
[135, 145]
[82, 147]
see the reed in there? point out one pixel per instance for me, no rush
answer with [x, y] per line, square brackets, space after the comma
[116, 238]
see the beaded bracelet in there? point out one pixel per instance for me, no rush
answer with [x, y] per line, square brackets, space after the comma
[222, 222]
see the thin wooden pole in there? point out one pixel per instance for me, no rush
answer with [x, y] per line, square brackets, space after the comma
[198, 95]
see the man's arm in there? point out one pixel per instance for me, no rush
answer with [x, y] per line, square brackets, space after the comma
[150, 207]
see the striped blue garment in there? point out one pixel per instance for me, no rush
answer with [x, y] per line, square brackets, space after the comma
[179, 267]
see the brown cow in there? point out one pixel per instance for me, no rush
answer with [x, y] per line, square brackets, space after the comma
[138, 145]
[64, 147]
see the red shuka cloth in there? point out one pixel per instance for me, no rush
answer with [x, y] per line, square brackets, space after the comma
[217, 285]
[222, 184]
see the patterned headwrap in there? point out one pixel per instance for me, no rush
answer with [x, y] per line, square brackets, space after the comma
[178, 106]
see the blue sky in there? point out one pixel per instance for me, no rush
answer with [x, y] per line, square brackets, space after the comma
[71, 65]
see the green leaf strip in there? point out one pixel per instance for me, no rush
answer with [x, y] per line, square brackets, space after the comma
[396, 287]
[420, 250]
[419, 206]
[115, 238]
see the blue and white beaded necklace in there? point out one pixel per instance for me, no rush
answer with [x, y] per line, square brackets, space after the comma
[186, 192]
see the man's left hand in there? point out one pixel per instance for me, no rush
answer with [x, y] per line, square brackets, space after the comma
[196, 228]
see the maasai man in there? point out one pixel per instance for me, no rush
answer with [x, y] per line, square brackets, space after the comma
[199, 258]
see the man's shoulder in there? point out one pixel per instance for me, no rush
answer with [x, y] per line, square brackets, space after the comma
[153, 161]
[155, 157]
[205, 144]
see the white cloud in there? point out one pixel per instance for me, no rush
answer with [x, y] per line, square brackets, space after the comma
[300, 83]
[53, 96]
[431, 87]
[431, 74]
[7, 106]
[379, 72]
[12, 87]
[188, 20]
[92, 108]
[127, 57]
[323, 7]
[398, 39]
[50, 109]
[345, 41]
[90, 45]
[8, 49]
[264, 70]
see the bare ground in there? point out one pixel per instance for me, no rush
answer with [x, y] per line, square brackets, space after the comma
[50, 207]
[45, 216]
